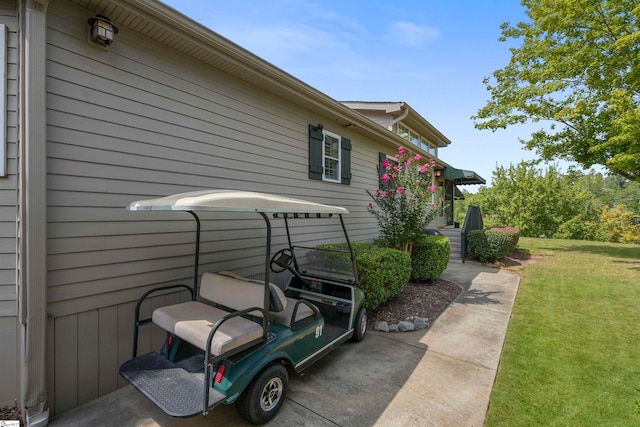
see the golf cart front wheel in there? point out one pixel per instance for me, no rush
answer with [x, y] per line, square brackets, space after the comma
[360, 325]
[264, 396]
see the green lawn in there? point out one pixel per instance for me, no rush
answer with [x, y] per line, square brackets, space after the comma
[572, 351]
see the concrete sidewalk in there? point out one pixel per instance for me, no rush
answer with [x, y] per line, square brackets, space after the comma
[441, 377]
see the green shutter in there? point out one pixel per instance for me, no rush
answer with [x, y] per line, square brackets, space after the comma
[381, 158]
[316, 142]
[345, 161]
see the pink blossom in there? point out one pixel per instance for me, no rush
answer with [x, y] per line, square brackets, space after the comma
[424, 168]
[386, 164]
[370, 205]
[417, 157]
[385, 178]
[397, 156]
[408, 162]
[397, 168]
[386, 193]
[401, 150]
[393, 175]
[378, 193]
[433, 163]
[400, 190]
[418, 181]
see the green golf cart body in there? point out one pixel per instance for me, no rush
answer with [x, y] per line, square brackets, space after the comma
[233, 341]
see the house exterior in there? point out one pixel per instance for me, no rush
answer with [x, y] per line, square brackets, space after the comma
[402, 120]
[169, 106]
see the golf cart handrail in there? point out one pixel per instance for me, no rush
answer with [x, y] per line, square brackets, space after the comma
[234, 201]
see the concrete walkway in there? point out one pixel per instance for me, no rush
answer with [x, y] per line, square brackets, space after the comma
[441, 377]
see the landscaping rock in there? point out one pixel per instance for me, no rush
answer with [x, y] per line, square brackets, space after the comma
[382, 326]
[393, 328]
[421, 322]
[405, 326]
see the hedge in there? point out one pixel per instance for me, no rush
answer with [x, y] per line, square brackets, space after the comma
[429, 258]
[382, 272]
[493, 244]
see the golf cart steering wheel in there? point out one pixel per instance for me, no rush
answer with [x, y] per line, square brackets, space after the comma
[281, 260]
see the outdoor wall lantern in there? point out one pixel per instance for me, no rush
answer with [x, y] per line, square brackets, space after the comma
[102, 30]
[438, 172]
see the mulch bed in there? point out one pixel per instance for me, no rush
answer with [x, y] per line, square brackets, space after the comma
[417, 299]
[9, 414]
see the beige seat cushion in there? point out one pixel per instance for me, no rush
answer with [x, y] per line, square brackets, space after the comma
[192, 321]
[236, 292]
[285, 317]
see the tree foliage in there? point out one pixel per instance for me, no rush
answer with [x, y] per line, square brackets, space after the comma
[565, 206]
[577, 68]
[537, 203]
[404, 202]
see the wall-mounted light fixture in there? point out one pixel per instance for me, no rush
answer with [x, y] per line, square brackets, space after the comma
[102, 30]
[438, 172]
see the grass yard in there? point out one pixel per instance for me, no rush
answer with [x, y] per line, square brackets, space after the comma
[572, 351]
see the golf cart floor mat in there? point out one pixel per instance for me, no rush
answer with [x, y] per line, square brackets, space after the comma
[331, 332]
[174, 390]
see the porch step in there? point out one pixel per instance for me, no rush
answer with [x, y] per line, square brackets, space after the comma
[177, 392]
[454, 235]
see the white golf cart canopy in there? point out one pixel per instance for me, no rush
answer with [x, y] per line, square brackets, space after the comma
[234, 201]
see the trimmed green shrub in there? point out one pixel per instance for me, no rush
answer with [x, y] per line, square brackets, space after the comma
[494, 244]
[429, 258]
[513, 236]
[382, 272]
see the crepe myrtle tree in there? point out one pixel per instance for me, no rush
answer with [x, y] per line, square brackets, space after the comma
[404, 203]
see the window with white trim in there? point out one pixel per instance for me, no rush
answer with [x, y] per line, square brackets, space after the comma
[414, 138]
[331, 156]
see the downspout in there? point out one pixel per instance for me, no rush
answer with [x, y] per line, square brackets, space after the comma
[405, 112]
[32, 265]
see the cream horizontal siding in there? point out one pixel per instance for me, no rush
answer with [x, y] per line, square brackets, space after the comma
[9, 183]
[140, 121]
[9, 324]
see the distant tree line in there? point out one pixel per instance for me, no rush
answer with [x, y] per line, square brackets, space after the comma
[549, 203]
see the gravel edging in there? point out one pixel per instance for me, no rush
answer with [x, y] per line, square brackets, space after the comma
[416, 308]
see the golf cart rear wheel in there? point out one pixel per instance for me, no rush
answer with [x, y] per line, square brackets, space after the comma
[360, 325]
[264, 396]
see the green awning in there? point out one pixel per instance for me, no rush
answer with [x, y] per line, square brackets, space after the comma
[462, 177]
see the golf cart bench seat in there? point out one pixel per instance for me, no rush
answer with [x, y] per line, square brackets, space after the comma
[285, 316]
[192, 321]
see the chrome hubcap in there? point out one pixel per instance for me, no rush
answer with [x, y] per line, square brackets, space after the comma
[271, 394]
[363, 324]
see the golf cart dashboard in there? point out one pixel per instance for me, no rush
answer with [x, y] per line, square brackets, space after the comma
[322, 291]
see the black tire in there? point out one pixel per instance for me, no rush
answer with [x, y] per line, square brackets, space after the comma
[264, 396]
[360, 325]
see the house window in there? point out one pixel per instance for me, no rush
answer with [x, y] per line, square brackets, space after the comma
[429, 148]
[416, 139]
[329, 156]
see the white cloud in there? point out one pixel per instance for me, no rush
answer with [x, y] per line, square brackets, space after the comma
[411, 34]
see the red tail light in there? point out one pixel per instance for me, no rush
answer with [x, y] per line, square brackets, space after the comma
[222, 368]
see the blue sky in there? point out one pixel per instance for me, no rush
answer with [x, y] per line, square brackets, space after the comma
[432, 54]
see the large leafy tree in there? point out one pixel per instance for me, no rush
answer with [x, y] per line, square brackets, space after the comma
[577, 71]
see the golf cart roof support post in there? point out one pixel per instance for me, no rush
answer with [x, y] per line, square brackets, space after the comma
[267, 261]
[286, 226]
[353, 256]
[197, 261]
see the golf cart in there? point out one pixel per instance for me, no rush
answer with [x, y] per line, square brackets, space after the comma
[234, 339]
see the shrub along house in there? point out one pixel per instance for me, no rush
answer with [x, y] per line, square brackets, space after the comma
[106, 102]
